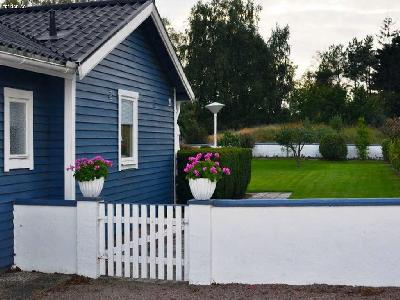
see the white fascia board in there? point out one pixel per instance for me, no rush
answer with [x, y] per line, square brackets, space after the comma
[35, 65]
[171, 51]
[120, 36]
[114, 41]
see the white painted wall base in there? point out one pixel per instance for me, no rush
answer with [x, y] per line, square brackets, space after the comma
[310, 151]
[297, 245]
[45, 238]
[62, 239]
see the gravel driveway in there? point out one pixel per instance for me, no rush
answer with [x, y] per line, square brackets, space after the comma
[24, 285]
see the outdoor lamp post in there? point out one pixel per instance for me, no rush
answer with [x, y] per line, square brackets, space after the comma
[215, 107]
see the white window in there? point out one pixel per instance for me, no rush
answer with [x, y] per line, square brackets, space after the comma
[128, 129]
[18, 129]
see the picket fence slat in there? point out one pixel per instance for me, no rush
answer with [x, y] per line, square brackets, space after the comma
[110, 239]
[152, 242]
[169, 243]
[102, 239]
[178, 240]
[143, 247]
[135, 230]
[161, 236]
[143, 241]
[127, 242]
[118, 240]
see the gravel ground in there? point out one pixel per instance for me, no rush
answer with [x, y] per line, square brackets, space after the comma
[24, 285]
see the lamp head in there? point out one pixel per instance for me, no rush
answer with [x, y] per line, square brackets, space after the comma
[215, 107]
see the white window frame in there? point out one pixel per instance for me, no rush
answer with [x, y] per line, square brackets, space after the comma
[25, 161]
[128, 162]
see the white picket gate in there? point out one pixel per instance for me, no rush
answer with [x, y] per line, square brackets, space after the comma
[143, 241]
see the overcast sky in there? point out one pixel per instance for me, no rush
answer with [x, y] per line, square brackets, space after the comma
[314, 24]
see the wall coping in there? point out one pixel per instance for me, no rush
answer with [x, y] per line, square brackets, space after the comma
[46, 202]
[298, 203]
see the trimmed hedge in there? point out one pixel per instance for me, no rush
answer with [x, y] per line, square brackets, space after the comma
[230, 187]
[385, 149]
[333, 147]
[394, 154]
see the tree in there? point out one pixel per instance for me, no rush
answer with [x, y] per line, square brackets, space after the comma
[283, 67]
[386, 32]
[294, 139]
[331, 65]
[387, 76]
[360, 62]
[362, 139]
[177, 38]
[318, 102]
[228, 61]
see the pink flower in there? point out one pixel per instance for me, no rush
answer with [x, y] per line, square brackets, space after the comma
[96, 167]
[216, 155]
[196, 173]
[217, 164]
[199, 156]
[213, 170]
[226, 171]
[204, 169]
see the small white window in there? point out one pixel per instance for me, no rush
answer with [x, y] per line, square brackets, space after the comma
[18, 129]
[128, 129]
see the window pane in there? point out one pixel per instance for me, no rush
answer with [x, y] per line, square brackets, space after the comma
[126, 141]
[127, 112]
[17, 128]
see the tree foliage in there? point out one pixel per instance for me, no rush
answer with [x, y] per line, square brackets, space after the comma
[294, 139]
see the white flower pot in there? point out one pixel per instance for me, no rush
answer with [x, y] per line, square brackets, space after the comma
[202, 188]
[91, 189]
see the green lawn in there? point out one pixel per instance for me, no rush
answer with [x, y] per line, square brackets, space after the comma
[325, 179]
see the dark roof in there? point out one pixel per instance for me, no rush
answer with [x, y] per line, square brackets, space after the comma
[86, 27]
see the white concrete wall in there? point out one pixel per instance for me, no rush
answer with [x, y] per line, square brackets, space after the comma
[45, 238]
[311, 151]
[299, 245]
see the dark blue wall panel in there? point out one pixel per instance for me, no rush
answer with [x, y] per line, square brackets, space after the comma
[134, 65]
[6, 235]
[46, 181]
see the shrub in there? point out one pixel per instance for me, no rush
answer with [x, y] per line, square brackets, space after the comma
[229, 139]
[362, 139]
[238, 160]
[385, 149]
[336, 123]
[394, 154]
[322, 132]
[294, 139]
[241, 140]
[392, 128]
[333, 147]
[247, 140]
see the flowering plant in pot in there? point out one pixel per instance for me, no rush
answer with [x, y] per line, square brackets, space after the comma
[90, 174]
[203, 172]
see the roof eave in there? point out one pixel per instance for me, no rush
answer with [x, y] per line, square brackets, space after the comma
[37, 65]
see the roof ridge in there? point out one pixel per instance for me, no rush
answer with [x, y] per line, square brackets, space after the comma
[69, 5]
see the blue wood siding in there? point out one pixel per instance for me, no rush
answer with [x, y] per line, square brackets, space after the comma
[6, 235]
[46, 181]
[134, 65]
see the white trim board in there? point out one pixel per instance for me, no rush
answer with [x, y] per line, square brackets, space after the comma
[69, 136]
[112, 43]
[35, 65]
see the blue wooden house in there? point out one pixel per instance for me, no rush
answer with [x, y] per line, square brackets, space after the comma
[85, 79]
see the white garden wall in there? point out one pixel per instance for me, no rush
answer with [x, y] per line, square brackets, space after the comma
[45, 238]
[349, 245]
[311, 151]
